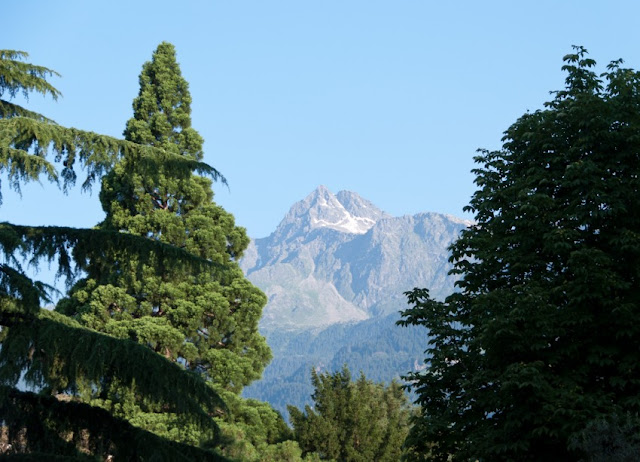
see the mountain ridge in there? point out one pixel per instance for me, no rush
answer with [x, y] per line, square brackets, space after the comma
[335, 290]
[321, 266]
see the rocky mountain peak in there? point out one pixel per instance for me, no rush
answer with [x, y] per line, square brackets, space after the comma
[337, 258]
[346, 212]
[360, 207]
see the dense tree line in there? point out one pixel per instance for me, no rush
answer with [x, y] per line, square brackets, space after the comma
[376, 347]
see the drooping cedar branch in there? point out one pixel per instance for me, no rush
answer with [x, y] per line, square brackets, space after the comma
[19, 77]
[68, 430]
[8, 110]
[22, 138]
[71, 248]
[54, 351]
[24, 292]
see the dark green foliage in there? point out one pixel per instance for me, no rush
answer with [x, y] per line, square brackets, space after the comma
[162, 109]
[57, 354]
[203, 317]
[26, 138]
[24, 293]
[16, 76]
[25, 144]
[54, 353]
[543, 337]
[616, 439]
[71, 248]
[48, 427]
[207, 319]
[352, 421]
[40, 456]
[253, 431]
[19, 77]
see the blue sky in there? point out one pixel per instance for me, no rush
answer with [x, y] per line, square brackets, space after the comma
[390, 99]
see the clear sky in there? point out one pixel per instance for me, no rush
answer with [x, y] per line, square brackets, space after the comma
[390, 99]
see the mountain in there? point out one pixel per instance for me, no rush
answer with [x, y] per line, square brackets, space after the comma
[339, 258]
[335, 271]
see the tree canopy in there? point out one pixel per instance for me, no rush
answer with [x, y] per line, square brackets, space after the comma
[54, 354]
[205, 318]
[352, 421]
[541, 340]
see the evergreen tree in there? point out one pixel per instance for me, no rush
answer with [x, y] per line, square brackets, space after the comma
[53, 353]
[257, 433]
[352, 421]
[542, 339]
[204, 318]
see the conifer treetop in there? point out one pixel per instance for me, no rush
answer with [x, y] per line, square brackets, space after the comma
[162, 109]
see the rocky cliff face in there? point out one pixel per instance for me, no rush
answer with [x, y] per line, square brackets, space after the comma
[339, 258]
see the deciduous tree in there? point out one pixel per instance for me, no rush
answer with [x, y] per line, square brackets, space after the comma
[542, 338]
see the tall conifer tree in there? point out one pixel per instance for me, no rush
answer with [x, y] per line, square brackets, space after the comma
[53, 353]
[206, 319]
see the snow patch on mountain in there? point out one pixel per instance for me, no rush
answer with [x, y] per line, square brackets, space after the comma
[347, 224]
[326, 211]
[338, 258]
[345, 212]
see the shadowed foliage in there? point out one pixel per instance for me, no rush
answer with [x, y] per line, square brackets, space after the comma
[541, 341]
[52, 429]
[57, 356]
